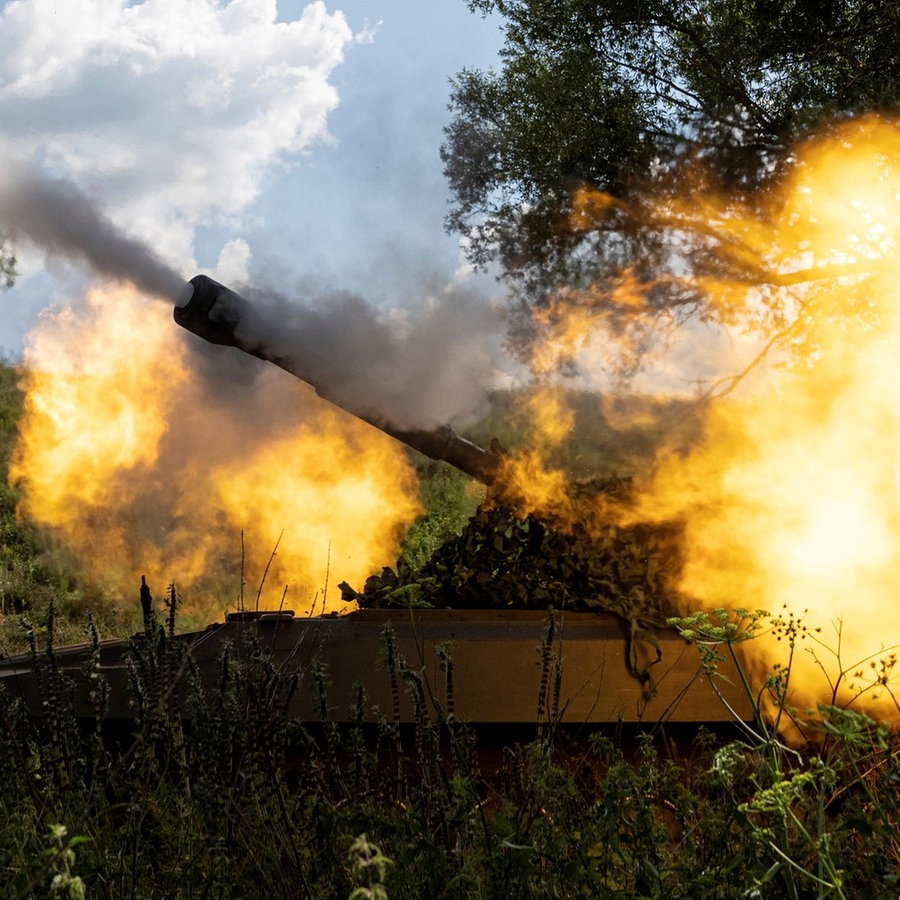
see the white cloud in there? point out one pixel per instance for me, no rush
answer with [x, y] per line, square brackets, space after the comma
[232, 264]
[167, 112]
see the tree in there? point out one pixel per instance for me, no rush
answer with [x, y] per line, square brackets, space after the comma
[614, 96]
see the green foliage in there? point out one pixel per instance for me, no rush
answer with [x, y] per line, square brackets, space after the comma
[62, 861]
[450, 498]
[368, 866]
[503, 561]
[808, 807]
[220, 791]
[614, 95]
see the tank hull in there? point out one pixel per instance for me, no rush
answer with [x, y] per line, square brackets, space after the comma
[484, 667]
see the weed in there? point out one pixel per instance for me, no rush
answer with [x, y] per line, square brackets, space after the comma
[809, 811]
[368, 866]
[219, 790]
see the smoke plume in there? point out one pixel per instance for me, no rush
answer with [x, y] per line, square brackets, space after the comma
[416, 367]
[57, 216]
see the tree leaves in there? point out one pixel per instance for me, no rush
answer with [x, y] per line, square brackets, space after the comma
[614, 95]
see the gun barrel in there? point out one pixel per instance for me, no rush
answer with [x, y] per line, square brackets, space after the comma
[215, 313]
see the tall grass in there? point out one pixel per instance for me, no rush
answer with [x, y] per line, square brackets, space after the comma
[219, 791]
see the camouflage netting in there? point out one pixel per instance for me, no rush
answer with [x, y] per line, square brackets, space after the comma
[504, 561]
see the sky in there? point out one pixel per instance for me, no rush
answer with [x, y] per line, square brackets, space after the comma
[286, 143]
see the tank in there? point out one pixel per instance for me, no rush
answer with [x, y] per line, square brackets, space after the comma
[503, 667]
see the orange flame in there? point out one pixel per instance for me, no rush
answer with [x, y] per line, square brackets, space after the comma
[128, 459]
[790, 502]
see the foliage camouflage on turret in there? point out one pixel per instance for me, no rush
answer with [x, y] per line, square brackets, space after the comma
[503, 560]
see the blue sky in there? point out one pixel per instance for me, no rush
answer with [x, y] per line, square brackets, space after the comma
[292, 143]
[370, 209]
